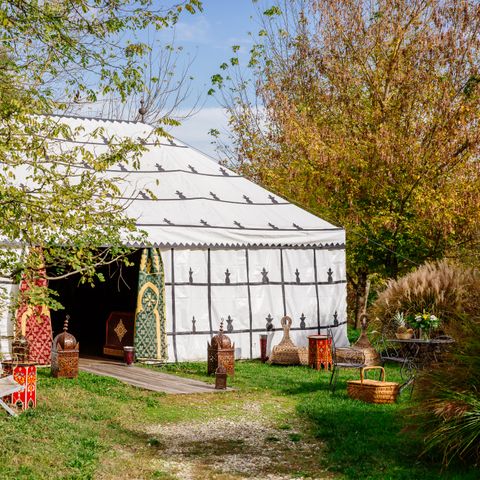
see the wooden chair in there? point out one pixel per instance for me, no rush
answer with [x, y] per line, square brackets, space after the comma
[8, 386]
[343, 357]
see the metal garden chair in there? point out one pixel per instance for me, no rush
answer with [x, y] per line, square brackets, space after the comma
[392, 353]
[343, 357]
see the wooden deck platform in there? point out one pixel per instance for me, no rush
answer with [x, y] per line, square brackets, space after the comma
[144, 378]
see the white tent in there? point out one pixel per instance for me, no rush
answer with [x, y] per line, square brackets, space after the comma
[230, 248]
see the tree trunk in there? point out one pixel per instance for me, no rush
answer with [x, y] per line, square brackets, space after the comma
[363, 287]
[391, 265]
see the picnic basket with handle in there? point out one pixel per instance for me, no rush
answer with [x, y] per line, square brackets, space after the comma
[373, 391]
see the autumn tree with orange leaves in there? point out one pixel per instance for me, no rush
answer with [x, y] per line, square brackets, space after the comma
[367, 114]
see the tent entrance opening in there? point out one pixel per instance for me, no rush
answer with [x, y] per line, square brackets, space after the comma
[90, 307]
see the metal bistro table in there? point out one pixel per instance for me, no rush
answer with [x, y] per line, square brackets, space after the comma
[420, 353]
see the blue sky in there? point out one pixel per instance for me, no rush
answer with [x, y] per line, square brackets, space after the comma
[209, 36]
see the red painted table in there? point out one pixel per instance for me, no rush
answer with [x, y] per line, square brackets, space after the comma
[24, 373]
[320, 352]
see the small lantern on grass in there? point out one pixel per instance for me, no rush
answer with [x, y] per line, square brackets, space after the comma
[221, 378]
[221, 352]
[65, 351]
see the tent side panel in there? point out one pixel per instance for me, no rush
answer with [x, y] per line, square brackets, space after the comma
[251, 289]
[8, 292]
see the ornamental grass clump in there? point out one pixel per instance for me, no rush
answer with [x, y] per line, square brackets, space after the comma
[444, 289]
[447, 398]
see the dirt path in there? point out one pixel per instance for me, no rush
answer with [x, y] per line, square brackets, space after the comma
[245, 447]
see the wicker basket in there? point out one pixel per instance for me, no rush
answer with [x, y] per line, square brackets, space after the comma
[371, 356]
[303, 355]
[373, 391]
[285, 356]
[286, 352]
[404, 336]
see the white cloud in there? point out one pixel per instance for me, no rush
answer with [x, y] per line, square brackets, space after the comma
[194, 130]
[197, 31]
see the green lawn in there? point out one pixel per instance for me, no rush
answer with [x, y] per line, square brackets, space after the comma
[96, 427]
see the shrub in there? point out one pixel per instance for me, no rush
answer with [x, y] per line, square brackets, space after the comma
[444, 288]
[447, 399]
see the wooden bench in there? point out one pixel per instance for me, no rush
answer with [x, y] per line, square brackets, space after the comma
[8, 386]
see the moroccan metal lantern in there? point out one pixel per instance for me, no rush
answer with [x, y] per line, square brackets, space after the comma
[221, 378]
[221, 352]
[65, 352]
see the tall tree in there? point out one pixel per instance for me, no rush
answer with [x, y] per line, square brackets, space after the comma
[50, 53]
[367, 113]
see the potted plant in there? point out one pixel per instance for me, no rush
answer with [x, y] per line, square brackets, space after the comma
[403, 332]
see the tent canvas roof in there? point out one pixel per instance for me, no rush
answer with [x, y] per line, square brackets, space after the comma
[199, 202]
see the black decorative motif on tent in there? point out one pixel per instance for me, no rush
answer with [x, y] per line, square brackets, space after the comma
[204, 222]
[273, 199]
[265, 278]
[227, 276]
[297, 276]
[214, 196]
[326, 246]
[194, 328]
[229, 324]
[168, 222]
[181, 195]
[330, 275]
[224, 172]
[192, 169]
[159, 167]
[335, 319]
[247, 199]
[297, 226]
[269, 320]
[190, 275]
[302, 321]
[254, 330]
[272, 226]
[238, 224]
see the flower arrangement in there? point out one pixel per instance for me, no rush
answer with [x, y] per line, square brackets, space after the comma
[424, 321]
